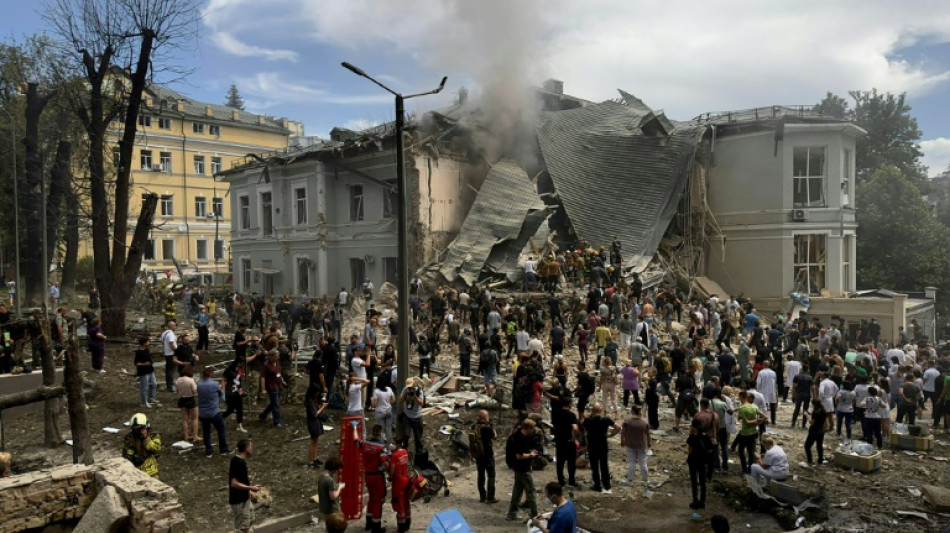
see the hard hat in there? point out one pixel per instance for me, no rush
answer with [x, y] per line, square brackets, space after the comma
[138, 420]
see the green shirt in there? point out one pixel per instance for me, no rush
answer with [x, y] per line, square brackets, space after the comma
[326, 485]
[748, 414]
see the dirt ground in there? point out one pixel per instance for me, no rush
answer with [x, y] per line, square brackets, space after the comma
[857, 502]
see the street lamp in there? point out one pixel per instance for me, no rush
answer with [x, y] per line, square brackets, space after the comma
[402, 189]
[16, 216]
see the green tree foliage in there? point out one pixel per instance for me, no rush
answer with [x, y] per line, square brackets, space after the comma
[234, 98]
[893, 135]
[901, 244]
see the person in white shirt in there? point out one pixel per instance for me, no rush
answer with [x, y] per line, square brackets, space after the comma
[792, 368]
[343, 297]
[354, 395]
[521, 339]
[530, 273]
[766, 384]
[893, 351]
[929, 383]
[772, 465]
[827, 390]
[169, 345]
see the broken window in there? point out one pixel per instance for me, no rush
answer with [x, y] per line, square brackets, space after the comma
[808, 175]
[267, 214]
[390, 270]
[300, 205]
[809, 263]
[244, 210]
[357, 271]
[303, 276]
[390, 200]
[356, 203]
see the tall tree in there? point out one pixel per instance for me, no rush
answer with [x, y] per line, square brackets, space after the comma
[234, 98]
[115, 44]
[901, 244]
[893, 135]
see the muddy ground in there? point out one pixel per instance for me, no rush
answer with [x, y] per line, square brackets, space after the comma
[857, 502]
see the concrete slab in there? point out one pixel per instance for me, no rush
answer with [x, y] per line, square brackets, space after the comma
[107, 514]
[938, 497]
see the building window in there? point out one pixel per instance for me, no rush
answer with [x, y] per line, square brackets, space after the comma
[300, 205]
[217, 206]
[218, 249]
[201, 249]
[215, 165]
[809, 263]
[357, 271]
[215, 130]
[198, 127]
[201, 207]
[165, 161]
[167, 205]
[303, 276]
[148, 254]
[246, 274]
[200, 164]
[267, 214]
[808, 175]
[168, 249]
[145, 157]
[356, 203]
[145, 121]
[390, 200]
[164, 123]
[244, 208]
[846, 180]
[390, 270]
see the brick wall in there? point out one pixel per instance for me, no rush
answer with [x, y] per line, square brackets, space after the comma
[36, 499]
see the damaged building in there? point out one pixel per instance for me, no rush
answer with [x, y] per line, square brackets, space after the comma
[759, 202]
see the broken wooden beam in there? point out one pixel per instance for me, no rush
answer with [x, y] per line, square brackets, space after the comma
[38, 394]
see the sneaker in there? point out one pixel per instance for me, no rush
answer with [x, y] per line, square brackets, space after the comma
[511, 518]
[606, 491]
[147, 405]
[628, 483]
[492, 500]
[595, 488]
[209, 454]
[481, 500]
[278, 425]
[226, 451]
[241, 429]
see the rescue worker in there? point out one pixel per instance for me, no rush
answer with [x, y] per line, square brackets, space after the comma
[169, 309]
[399, 475]
[141, 445]
[374, 468]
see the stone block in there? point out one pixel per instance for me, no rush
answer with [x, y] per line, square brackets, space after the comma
[107, 514]
[937, 497]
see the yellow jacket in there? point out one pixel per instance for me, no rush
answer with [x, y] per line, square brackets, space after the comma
[143, 452]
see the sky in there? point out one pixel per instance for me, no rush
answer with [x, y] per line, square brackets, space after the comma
[686, 57]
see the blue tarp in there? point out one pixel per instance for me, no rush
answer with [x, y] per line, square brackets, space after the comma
[450, 521]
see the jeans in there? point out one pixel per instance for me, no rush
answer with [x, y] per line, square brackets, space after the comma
[566, 454]
[385, 420]
[218, 422]
[599, 469]
[486, 477]
[847, 417]
[697, 480]
[465, 365]
[721, 460]
[203, 342]
[235, 404]
[910, 411]
[815, 437]
[799, 402]
[524, 484]
[746, 446]
[415, 425]
[626, 396]
[272, 407]
[147, 388]
[635, 459]
[425, 366]
[872, 430]
[170, 369]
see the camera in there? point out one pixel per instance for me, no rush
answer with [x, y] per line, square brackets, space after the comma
[413, 392]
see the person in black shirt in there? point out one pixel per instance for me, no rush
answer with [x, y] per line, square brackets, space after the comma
[330, 354]
[801, 393]
[240, 488]
[485, 462]
[557, 339]
[585, 387]
[565, 433]
[523, 450]
[184, 354]
[677, 357]
[599, 428]
[146, 374]
[727, 365]
[317, 373]
[697, 454]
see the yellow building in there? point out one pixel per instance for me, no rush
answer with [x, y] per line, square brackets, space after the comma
[181, 144]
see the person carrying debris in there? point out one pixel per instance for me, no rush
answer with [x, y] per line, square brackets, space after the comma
[141, 445]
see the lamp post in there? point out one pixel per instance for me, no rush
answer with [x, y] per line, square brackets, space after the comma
[402, 189]
[16, 217]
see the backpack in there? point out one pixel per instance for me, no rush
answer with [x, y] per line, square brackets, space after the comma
[511, 329]
[511, 451]
[335, 401]
[418, 486]
[475, 448]
[487, 358]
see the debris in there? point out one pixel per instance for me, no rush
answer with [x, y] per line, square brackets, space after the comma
[937, 497]
[915, 514]
[913, 492]
[108, 512]
[110, 430]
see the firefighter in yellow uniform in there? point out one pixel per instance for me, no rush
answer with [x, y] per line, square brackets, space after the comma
[169, 310]
[142, 445]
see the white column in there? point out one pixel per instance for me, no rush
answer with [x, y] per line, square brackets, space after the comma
[320, 201]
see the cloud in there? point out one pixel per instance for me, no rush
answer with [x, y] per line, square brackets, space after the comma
[230, 44]
[936, 155]
[267, 89]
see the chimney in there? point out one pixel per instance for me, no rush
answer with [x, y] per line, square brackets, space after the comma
[552, 85]
[209, 111]
[235, 115]
[463, 95]
[180, 106]
[261, 119]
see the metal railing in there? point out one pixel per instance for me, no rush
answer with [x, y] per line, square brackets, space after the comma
[759, 113]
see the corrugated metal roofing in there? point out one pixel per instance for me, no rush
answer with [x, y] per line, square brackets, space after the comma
[496, 221]
[613, 180]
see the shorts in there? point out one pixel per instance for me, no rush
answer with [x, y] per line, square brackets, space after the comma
[187, 402]
[315, 428]
[243, 515]
[685, 405]
[490, 375]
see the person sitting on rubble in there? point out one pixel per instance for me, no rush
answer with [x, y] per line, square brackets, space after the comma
[772, 465]
[141, 445]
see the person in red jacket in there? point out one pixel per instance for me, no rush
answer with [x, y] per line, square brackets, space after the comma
[399, 475]
[374, 468]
